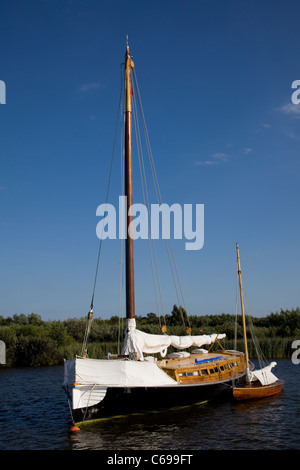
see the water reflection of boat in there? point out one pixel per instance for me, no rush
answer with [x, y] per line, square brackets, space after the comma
[258, 383]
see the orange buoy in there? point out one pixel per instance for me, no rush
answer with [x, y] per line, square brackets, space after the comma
[74, 428]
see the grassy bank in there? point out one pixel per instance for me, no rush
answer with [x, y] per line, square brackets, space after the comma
[32, 342]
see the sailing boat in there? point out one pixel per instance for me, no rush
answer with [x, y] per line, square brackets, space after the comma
[137, 381]
[259, 383]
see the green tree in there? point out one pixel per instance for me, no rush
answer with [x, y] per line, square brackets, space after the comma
[178, 316]
[20, 319]
[35, 319]
[57, 331]
[75, 328]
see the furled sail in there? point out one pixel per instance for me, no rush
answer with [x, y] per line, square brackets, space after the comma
[265, 376]
[138, 342]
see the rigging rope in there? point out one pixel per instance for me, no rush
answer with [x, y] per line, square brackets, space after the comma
[236, 314]
[145, 191]
[146, 197]
[90, 314]
[108, 186]
[159, 200]
[260, 356]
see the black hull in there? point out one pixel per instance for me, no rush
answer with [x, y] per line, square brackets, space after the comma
[126, 401]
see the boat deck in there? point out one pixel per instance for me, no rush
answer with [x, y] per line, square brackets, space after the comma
[205, 368]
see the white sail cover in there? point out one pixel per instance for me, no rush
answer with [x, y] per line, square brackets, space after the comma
[265, 376]
[116, 373]
[138, 342]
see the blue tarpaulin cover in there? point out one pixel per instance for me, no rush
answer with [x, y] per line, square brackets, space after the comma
[208, 360]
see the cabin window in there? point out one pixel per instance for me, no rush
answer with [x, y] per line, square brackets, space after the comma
[204, 372]
[212, 371]
[192, 373]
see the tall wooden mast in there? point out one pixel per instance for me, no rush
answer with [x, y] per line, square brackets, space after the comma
[242, 308]
[130, 301]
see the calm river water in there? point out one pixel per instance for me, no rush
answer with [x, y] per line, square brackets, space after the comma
[34, 415]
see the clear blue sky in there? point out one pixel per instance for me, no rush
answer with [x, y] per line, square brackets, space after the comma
[215, 79]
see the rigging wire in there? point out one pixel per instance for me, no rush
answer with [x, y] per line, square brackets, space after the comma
[145, 191]
[159, 199]
[259, 353]
[260, 356]
[157, 190]
[236, 314]
[90, 314]
[145, 196]
[107, 192]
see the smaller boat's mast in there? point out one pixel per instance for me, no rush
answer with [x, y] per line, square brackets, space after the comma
[242, 308]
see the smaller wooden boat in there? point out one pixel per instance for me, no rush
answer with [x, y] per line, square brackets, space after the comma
[259, 383]
[256, 390]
